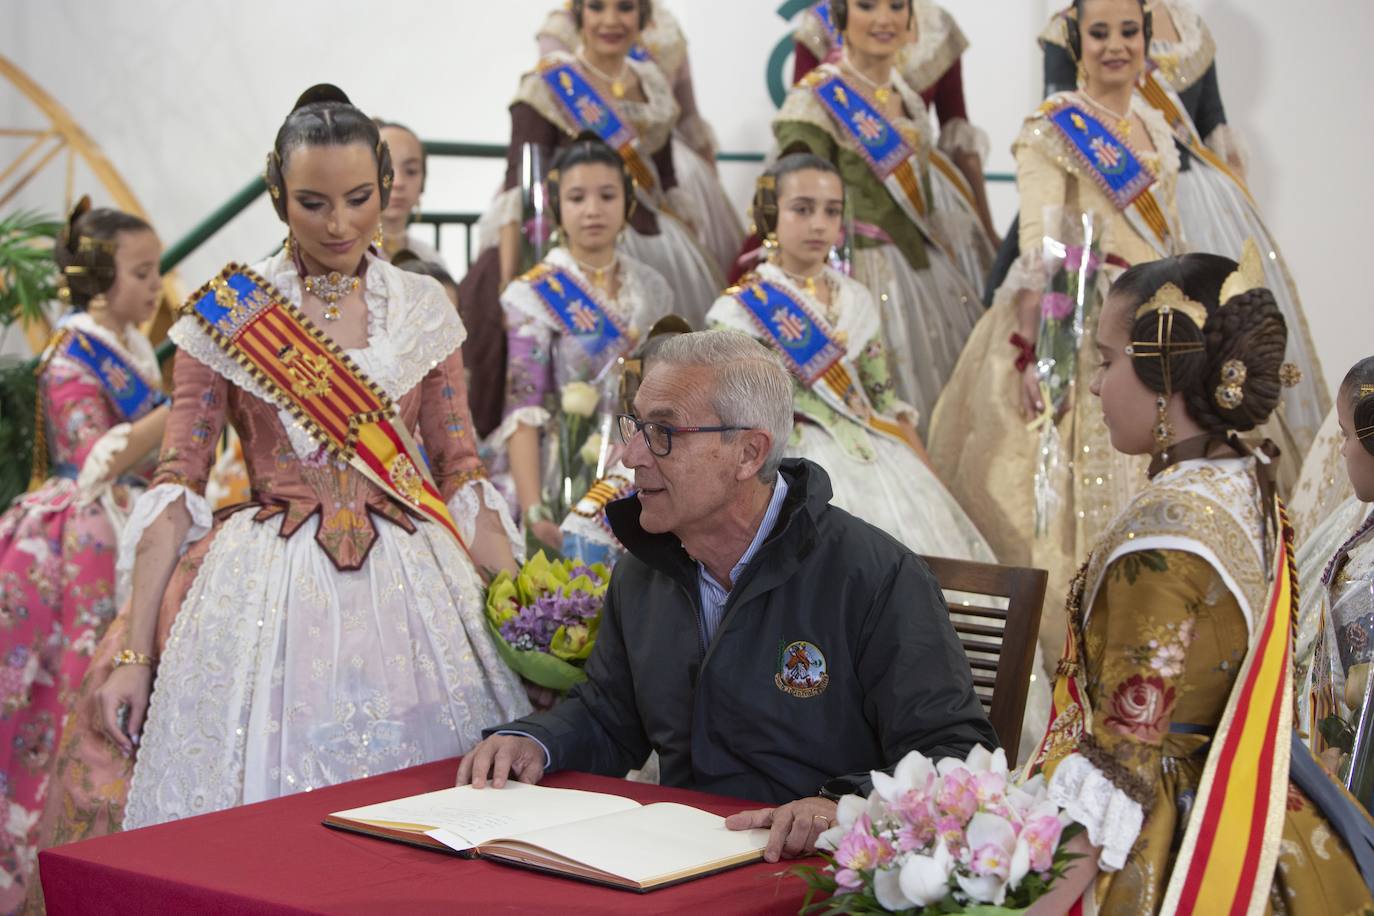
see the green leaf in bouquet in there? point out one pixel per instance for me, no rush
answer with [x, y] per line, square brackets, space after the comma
[503, 599]
[537, 667]
[539, 576]
[574, 643]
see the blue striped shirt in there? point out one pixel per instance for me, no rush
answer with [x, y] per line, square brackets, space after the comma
[713, 594]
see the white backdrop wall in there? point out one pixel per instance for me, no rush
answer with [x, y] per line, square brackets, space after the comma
[184, 98]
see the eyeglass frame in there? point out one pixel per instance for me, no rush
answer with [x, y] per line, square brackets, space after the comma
[670, 430]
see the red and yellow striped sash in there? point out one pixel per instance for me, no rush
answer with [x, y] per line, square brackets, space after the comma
[308, 375]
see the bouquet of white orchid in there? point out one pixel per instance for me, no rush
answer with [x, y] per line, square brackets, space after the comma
[957, 836]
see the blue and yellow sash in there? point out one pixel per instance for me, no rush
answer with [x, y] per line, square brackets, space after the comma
[578, 311]
[308, 375]
[1163, 100]
[892, 160]
[131, 396]
[1114, 167]
[788, 324]
[810, 347]
[587, 110]
[827, 18]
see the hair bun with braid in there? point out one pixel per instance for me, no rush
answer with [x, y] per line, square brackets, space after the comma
[1248, 329]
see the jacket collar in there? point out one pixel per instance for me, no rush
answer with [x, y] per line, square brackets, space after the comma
[793, 535]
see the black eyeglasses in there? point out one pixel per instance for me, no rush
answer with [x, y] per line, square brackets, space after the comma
[659, 436]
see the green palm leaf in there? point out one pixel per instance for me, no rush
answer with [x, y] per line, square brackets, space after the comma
[28, 274]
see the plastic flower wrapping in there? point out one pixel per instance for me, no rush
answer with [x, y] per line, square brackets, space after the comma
[545, 618]
[1071, 265]
[957, 836]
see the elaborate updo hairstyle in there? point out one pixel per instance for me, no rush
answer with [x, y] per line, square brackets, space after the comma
[1074, 32]
[646, 12]
[587, 149]
[839, 11]
[323, 116]
[1358, 386]
[383, 124]
[85, 250]
[765, 203]
[1191, 334]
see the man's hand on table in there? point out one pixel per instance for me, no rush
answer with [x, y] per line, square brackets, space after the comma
[792, 828]
[499, 757]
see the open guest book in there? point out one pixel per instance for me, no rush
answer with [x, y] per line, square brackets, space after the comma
[596, 837]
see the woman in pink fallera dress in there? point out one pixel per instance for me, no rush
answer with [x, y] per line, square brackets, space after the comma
[101, 414]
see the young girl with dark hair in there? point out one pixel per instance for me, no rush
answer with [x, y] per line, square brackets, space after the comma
[1172, 740]
[568, 321]
[101, 412]
[331, 628]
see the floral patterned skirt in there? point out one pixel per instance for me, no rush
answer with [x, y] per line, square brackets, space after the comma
[57, 595]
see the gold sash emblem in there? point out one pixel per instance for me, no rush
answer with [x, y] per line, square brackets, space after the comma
[407, 479]
[309, 372]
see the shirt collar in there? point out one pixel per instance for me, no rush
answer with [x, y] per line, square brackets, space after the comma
[770, 518]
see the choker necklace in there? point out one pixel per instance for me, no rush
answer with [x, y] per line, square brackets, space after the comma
[806, 283]
[600, 276]
[617, 82]
[1122, 122]
[329, 287]
[881, 93]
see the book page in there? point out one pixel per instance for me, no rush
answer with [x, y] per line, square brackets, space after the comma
[471, 816]
[646, 845]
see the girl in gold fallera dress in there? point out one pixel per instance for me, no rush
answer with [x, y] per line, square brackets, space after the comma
[1172, 739]
[986, 456]
[913, 235]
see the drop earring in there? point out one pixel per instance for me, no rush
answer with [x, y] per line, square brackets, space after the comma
[1163, 429]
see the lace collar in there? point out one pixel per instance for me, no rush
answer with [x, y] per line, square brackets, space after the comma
[134, 347]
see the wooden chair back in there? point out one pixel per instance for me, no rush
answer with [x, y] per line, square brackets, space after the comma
[999, 643]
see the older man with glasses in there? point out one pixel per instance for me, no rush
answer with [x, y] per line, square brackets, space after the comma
[766, 644]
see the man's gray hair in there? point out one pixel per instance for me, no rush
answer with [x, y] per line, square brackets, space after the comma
[752, 386]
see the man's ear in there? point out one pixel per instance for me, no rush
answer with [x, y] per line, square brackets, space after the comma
[756, 445]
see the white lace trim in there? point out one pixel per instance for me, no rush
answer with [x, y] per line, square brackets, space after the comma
[939, 43]
[1112, 818]
[468, 501]
[412, 327]
[146, 511]
[957, 136]
[537, 417]
[95, 471]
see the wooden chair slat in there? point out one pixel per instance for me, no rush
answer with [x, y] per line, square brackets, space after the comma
[1001, 669]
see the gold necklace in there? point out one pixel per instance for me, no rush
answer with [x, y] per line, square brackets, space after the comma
[617, 82]
[880, 92]
[330, 288]
[812, 289]
[1122, 122]
[600, 276]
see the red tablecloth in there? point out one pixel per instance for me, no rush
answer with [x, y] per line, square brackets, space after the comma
[276, 857]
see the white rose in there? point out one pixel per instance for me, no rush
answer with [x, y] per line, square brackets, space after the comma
[580, 399]
[590, 453]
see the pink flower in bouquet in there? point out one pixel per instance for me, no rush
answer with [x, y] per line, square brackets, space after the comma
[991, 860]
[955, 796]
[858, 852]
[917, 814]
[1041, 837]
[1073, 259]
[990, 789]
[951, 830]
[1056, 306]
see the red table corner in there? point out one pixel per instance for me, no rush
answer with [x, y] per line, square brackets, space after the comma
[276, 857]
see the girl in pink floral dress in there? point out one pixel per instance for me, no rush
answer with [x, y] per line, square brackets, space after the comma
[100, 406]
